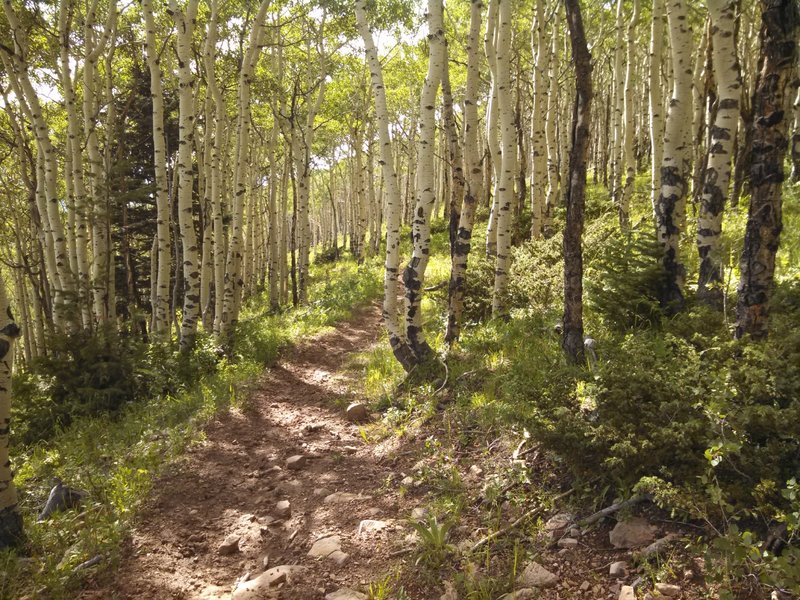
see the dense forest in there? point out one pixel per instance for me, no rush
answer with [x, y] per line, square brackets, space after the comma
[494, 263]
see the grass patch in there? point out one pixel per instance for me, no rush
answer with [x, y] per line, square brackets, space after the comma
[116, 456]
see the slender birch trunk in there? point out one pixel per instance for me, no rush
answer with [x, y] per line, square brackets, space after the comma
[11, 531]
[538, 141]
[492, 139]
[780, 22]
[234, 261]
[391, 317]
[717, 175]
[656, 99]
[617, 106]
[414, 273]
[629, 132]
[551, 134]
[474, 178]
[508, 159]
[675, 168]
[184, 22]
[795, 153]
[161, 310]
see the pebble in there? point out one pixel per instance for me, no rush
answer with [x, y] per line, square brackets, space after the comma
[668, 589]
[340, 497]
[296, 462]
[356, 412]
[521, 594]
[567, 543]
[345, 594]
[535, 575]
[368, 526]
[283, 509]
[476, 471]
[627, 593]
[618, 569]
[419, 513]
[558, 524]
[407, 481]
[229, 546]
[258, 588]
[632, 533]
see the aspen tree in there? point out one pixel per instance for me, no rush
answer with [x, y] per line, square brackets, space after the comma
[414, 273]
[551, 118]
[11, 531]
[474, 178]
[102, 262]
[77, 236]
[48, 199]
[771, 102]
[538, 141]
[675, 166]
[184, 22]
[629, 131]
[656, 99]
[492, 139]
[617, 106]
[572, 341]
[508, 159]
[795, 153]
[272, 220]
[232, 290]
[160, 324]
[717, 173]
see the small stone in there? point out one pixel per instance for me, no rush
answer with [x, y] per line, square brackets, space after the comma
[632, 533]
[265, 562]
[668, 589]
[296, 462]
[229, 546]
[407, 481]
[338, 557]
[258, 588]
[368, 526]
[419, 513]
[567, 543]
[618, 569]
[356, 412]
[627, 593]
[373, 512]
[345, 594]
[521, 594]
[321, 492]
[535, 575]
[558, 524]
[475, 471]
[290, 487]
[585, 586]
[341, 497]
[283, 509]
[325, 546]
[575, 532]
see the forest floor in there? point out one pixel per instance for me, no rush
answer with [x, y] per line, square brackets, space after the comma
[228, 488]
[238, 517]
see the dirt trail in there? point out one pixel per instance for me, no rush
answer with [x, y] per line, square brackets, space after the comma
[231, 484]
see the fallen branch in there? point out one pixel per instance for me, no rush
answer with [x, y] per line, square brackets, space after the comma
[401, 551]
[534, 512]
[436, 288]
[610, 510]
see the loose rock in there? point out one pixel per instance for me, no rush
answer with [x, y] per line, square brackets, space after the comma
[558, 524]
[368, 526]
[229, 546]
[356, 412]
[627, 593]
[668, 589]
[296, 462]
[632, 533]
[618, 569]
[535, 575]
[325, 546]
[283, 509]
[567, 543]
[259, 588]
[522, 594]
[346, 594]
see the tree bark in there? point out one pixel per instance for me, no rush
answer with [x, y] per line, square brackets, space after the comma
[779, 25]
[573, 232]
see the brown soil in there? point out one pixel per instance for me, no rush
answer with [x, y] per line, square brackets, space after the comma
[230, 484]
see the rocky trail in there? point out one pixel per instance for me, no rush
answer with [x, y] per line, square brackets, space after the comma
[282, 500]
[285, 500]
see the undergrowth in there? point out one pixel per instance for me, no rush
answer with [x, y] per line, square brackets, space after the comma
[112, 440]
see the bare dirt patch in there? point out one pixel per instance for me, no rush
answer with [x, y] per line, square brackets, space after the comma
[229, 487]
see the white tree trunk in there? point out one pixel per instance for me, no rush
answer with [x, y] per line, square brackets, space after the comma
[656, 99]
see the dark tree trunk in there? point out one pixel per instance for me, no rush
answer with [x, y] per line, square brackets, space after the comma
[771, 102]
[575, 197]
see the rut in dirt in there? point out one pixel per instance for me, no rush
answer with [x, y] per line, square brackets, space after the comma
[233, 488]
